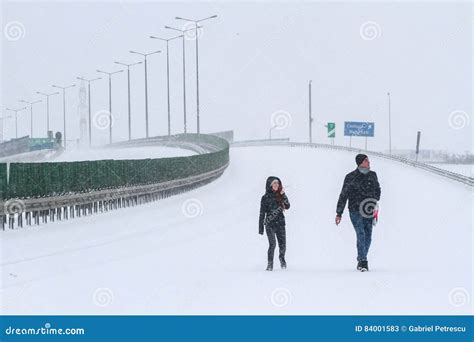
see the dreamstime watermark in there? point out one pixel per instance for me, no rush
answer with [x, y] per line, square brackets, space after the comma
[14, 206]
[192, 207]
[191, 32]
[103, 297]
[281, 297]
[458, 119]
[14, 30]
[370, 30]
[103, 119]
[367, 207]
[46, 330]
[459, 296]
[281, 119]
[273, 215]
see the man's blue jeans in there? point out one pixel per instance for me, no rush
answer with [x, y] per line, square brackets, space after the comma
[363, 229]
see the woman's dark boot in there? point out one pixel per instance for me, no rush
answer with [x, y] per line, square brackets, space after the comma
[270, 266]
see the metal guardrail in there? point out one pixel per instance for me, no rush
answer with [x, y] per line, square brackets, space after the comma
[32, 211]
[21, 212]
[260, 142]
[430, 168]
[26, 144]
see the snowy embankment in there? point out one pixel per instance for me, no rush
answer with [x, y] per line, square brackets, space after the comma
[31, 157]
[199, 253]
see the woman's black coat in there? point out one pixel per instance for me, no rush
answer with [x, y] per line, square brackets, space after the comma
[271, 213]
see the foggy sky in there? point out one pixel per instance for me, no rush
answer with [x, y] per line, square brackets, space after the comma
[255, 59]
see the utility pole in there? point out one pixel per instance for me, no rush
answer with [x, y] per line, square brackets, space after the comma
[270, 131]
[31, 113]
[167, 75]
[418, 137]
[145, 55]
[64, 108]
[16, 119]
[110, 100]
[129, 102]
[196, 23]
[184, 69]
[47, 107]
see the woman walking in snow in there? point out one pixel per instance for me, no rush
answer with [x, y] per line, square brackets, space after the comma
[274, 202]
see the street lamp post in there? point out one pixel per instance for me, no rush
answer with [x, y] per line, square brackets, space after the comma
[47, 106]
[110, 99]
[31, 113]
[196, 22]
[184, 69]
[270, 131]
[89, 98]
[16, 118]
[389, 126]
[129, 105]
[64, 108]
[145, 55]
[167, 75]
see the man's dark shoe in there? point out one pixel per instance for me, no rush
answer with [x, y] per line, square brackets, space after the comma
[283, 263]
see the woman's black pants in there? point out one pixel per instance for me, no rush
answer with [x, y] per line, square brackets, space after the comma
[274, 233]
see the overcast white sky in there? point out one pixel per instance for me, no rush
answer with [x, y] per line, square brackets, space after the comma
[256, 59]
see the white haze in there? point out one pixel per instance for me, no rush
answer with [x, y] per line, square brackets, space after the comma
[256, 58]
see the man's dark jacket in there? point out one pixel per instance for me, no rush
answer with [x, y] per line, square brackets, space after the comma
[358, 188]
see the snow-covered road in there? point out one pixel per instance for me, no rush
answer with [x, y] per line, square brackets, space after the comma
[199, 253]
[122, 153]
[82, 154]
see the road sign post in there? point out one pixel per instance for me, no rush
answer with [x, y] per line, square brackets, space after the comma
[358, 129]
[418, 136]
[331, 126]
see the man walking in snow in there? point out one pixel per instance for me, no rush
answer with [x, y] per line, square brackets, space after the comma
[361, 187]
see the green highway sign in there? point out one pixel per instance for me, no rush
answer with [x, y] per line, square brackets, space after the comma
[331, 129]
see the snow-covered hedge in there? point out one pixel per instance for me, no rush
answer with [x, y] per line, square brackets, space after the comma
[33, 180]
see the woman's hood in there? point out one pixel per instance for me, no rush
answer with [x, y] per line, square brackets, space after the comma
[268, 185]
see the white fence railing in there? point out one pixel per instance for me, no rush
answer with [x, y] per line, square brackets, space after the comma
[430, 168]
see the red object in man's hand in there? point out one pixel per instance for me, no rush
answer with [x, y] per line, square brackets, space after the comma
[376, 217]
